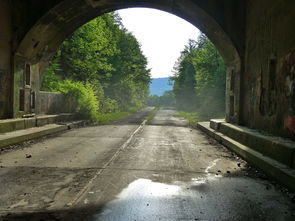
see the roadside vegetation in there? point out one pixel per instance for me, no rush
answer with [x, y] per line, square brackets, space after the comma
[101, 69]
[192, 117]
[152, 114]
[165, 100]
[104, 74]
[199, 83]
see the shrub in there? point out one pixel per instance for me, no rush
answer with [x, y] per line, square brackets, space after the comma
[109, 105]
[81, 97]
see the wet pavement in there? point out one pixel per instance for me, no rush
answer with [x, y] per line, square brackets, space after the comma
[161, 171]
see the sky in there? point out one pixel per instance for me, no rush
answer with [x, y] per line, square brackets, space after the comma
[162, 36]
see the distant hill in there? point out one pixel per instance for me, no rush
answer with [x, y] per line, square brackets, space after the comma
[159, 85]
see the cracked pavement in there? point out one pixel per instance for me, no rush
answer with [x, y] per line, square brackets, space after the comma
[124, 171]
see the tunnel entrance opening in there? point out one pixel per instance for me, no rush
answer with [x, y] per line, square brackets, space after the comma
[43, 39]
[199, 70]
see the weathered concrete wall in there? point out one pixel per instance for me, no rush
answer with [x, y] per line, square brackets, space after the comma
[5, 60]
[269, 80]
[30, 87]
[223, 22]
[53, 103]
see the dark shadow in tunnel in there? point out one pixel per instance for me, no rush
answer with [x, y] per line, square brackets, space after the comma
[73, 214]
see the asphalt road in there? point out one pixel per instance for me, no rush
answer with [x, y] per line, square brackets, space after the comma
[127, 171]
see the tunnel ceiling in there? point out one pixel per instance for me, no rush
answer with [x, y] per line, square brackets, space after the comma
[58, 19]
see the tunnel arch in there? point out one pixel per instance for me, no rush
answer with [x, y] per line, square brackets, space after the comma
[42, 40]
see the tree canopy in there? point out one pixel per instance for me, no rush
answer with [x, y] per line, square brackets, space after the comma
[199, 78]
[106, 55]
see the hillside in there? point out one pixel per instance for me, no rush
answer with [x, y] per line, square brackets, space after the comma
[159, 85]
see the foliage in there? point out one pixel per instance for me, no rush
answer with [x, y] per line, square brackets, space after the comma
[151, 115]
[82, 97]
[167, 100]
[199, 79]
[191, 117]
[109, 105]
[108, 117]
[50, 78]
[107, 59]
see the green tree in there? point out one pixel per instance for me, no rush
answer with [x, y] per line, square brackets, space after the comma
[167, 99]
[104, 54]
[200, 78]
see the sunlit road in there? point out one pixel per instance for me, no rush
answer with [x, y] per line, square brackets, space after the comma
[127, 171]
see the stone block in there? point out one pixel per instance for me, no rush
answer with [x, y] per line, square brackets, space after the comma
[41, 121]
[215, 123]
[30, 122]
[11, 125]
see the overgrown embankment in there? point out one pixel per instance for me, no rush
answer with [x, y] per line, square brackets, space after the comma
[101, 69]
[199, 80]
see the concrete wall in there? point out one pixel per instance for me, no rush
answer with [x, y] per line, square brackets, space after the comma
[30, 88]
[5, 60]
[42, 28]
[268, 82]
[52, 103]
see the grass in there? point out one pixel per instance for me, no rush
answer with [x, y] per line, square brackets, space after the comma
[192, 117]
[195, 117]
[152, 114]
[107, 118]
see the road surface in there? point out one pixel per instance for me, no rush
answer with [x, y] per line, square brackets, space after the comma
[127, 171]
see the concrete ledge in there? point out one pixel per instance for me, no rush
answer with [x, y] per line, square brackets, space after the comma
[24, 123]
[47, 119]
[30, 122]
[215, 123]
[75, 124]
[64, 117]
[281, 172]
[28, 134]
[278, 148]
[11, 125]
[20, 136]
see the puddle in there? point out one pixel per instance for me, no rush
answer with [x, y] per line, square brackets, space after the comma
[144, 187]
[197, 198]
[146, 197]
[143, 196]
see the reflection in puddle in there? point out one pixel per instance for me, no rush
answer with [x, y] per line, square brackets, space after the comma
[204, 197]
[142, 195]
[152, 200]
[144, 187]
[209, 176]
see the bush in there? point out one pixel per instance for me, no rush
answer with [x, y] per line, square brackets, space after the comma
[109, 105]
[81, 97]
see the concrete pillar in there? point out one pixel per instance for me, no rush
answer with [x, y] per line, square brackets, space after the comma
[232, 96]
[5, 60]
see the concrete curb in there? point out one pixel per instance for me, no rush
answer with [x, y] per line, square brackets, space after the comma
[280, 172]
[10, 125]
[20, 136]
[277, 148]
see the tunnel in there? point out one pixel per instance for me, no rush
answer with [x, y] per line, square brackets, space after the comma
[254, 38]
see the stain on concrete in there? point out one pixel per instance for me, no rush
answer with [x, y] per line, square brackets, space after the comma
[288, 72]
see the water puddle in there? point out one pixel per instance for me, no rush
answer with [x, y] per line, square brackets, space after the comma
[143, 196]
[146, 197]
